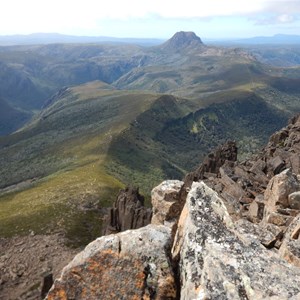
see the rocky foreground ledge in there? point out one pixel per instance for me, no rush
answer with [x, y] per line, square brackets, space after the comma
[229, 231]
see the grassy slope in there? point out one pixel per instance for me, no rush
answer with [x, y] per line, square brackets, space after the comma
[86, 144]
[191, 74]
[54, 167]
[135, 156]
[228, 86]
[172, 137]
[277, 55]
[11, 118]
[29, 75]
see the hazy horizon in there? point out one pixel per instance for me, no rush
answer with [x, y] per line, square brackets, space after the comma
[214, 19]
[36, 34]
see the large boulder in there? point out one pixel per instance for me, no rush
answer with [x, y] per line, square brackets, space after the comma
[216, 261]
[166, 202]
[294, 200]
[277, 198]
[134, 264]
[290, 248]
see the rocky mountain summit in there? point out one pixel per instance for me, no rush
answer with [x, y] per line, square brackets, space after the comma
[182, 40]
[230, 230]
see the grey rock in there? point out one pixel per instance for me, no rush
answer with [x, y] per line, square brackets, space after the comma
[278, 190]
[259, 166]
[128, 212]
[216, 261]
[290, 248]
[276, 164]
[278, 219]
[267, 234]
[294, 161]
[256, 210]
[294, 200]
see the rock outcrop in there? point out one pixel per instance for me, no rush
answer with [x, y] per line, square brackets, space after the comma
[229, 231]
[212, 163]
[128, 212]
[217, 262]
[280, 202]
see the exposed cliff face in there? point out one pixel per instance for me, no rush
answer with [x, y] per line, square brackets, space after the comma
[128, 212]
[233, 229]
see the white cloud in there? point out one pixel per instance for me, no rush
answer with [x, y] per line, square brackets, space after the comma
[282, 7]
[285, 18]
[278, 12]
[88, 16]
[96, 9]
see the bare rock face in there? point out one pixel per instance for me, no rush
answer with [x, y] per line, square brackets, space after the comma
[243, 185]
[282, 151]
[218, 262]
[277, 196]
[267, 234]
[128, 212]
[166, 202]
[290, 248]
[217, 170]
[130, 265]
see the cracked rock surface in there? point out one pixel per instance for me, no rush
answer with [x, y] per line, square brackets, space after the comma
[217, 262]
[134, 264]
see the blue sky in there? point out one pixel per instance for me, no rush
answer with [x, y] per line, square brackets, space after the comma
[209, 19]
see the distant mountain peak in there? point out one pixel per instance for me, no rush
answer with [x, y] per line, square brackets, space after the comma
[181, 40]
[185, 37]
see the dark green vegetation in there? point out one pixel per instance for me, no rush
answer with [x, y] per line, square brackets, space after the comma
[11, 118]
[32, 74]
[152, 114]
[52, 172]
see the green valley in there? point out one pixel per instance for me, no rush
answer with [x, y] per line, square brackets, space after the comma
[108, 116]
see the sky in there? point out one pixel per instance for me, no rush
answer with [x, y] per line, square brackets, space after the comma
[209, 19]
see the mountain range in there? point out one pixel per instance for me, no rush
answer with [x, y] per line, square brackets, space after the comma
[92, 118]
[55, 38]
[277, 39]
